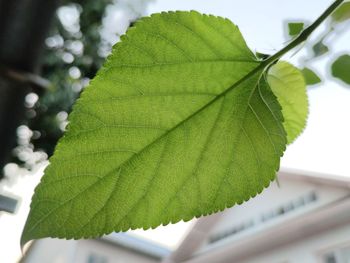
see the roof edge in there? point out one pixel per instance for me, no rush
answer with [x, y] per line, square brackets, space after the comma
[315, 177]
[137, 244]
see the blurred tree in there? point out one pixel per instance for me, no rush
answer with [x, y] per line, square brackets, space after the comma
[23, 28]
[79, 40]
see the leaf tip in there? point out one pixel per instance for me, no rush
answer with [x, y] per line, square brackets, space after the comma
[24, 241]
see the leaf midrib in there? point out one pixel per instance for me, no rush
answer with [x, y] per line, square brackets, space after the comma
[161, 64]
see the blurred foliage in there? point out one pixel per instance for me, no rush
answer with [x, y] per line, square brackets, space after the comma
[320, 48]
[341, 68]
[294, 28]
[342, 13]
[74, 51]
[310, 76]
[71, 58]
[338, 22]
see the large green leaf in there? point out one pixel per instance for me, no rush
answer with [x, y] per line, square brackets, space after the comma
[288, 84]
[178, 123]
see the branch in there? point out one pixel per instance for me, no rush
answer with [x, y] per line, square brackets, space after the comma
[304, 34]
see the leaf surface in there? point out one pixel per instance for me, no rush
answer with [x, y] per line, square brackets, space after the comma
[288, 84]
[178, 123]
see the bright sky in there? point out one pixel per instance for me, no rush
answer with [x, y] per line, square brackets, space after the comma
[323, 147]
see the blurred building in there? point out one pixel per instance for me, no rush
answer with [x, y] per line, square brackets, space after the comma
[115, 248]
[306, 218]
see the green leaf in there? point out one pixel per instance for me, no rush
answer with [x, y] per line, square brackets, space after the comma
[311, 78]
[342, 13]
[287, 83]
[341, 68]
[294, 28]
[320, 49]
[178, 123]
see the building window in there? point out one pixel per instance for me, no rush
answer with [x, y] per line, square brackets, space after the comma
[340, 255]
[94, 258]
[290, 206]
[329, 258]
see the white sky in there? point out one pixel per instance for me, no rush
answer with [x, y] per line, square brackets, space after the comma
[323, 147]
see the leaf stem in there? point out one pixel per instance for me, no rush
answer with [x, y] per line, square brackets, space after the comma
[304, 34]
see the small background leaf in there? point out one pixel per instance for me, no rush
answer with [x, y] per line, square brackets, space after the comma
[320, 48]
[341, 68]
[311, 78]
[287, 83]
[294, 28]
[342, 13]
